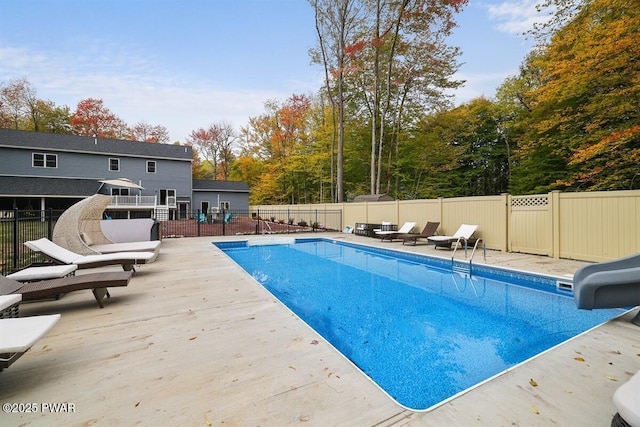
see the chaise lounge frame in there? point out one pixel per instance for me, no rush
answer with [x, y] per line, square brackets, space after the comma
[54, 288]
[430, 229]
[61, 255]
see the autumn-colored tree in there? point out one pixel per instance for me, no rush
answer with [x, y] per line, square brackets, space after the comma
[336, 24]
[216, 144]
[144, 132]
[92, 118]
[584, 119]
[380, 55]
[21, 109]
[402, 57]
[15, 99]
[280, 140]
[248, 169]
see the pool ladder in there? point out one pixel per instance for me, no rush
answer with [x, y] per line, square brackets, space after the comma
[466, 268]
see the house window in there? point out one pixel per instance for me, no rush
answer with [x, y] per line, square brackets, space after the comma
[224, 206]
[114, 165]
[119, 191]
[151, 166]
[40, 160]
[168, 197]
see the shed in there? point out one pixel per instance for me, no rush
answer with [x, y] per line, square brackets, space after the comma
[374, 198]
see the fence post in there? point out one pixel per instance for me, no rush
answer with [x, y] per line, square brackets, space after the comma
[15, 239]
[50, 225]
[224, 222]
[554, 197]
[198, 221]
[506, 244]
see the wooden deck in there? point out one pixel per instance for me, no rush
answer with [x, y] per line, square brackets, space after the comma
[193, 341]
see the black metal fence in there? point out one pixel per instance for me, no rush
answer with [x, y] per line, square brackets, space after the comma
[16, 227]
[243, 222]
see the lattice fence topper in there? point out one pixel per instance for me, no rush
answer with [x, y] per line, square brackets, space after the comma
[529, 201]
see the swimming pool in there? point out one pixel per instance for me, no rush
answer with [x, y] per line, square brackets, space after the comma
[420, 331]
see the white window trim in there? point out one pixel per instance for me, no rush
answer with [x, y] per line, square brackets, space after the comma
[109, 164]
[155, 166]
[45, 158]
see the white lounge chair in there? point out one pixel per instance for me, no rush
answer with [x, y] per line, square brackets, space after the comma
[61, 255]
[109, 248]
[18, 335]
[79, 229]
[390, 235]
[465, 233]
[627, 401]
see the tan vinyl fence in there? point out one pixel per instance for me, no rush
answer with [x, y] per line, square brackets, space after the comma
[589, 226]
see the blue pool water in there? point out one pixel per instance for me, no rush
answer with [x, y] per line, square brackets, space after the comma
[422, 332]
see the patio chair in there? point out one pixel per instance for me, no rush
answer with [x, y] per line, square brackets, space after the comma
[18, 335]
[609, 284]
[53, 288]
[626, 399]
[465, 233]
[79, 229]
[429, 230]
[390, 235]
[60, 255]
[109, 248]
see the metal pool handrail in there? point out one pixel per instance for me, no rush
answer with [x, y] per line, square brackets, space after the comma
[475, 246]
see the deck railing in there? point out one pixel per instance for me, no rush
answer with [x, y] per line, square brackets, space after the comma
[132, 202]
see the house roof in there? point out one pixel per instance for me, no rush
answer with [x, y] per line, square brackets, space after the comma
[221, 186]
[47, 187]
[59, 142]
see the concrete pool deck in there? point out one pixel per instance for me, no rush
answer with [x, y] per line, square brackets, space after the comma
[193, 340]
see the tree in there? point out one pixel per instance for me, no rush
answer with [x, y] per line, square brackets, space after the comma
[336, 22]
[92, 118]
[15, 99]
[405, 60]
[143, 131]
[21, 109]
[584, 115]
[216, 144]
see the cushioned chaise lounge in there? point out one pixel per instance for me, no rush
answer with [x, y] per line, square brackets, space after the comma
[18, 335]
[79, 229]
[53, 288]
[429, 230]
[145, 246]
[465, 233]
[627, 401]
[390, 235]
[61, 255]
[608, 284]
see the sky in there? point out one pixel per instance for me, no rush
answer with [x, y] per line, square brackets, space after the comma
[187, 64]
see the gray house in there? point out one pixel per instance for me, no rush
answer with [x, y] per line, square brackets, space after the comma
[44, 170]
[211, 197]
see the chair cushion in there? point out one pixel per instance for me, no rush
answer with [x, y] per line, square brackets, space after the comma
[627, 400]
[19, 335]
[31, 274]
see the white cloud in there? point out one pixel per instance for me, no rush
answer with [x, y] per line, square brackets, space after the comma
[515, 17]
[131, 86]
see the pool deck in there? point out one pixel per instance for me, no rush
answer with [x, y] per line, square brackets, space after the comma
[194, 341]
